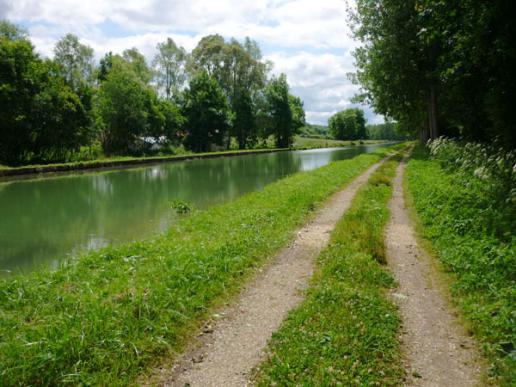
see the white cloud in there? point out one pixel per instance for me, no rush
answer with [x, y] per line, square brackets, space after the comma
[308, 40]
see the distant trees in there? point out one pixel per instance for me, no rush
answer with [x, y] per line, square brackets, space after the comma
[440, 67]
[348, 124]
[314, 131]
[59, 109]
[385, 131]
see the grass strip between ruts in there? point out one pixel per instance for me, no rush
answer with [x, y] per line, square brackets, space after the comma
[345, 331]
[109, 315]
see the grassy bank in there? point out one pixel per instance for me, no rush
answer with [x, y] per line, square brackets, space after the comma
[123, 161]
[105, 317]
[345, 331]
[474, 236]
[308, 143]
[300, 143]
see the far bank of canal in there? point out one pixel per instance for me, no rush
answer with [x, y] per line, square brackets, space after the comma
[47, 219]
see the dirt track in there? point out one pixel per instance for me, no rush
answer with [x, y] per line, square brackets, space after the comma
[234, 343]
[437, 350]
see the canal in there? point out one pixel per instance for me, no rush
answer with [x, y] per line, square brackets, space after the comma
[44, 220]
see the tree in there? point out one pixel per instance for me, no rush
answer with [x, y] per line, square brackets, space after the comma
[385, 131]
[280, 114]
[170, 68]
[12, 32]
[20, 81]
[208, 56]
[75, 61]
[105, 65]
[298, 113]
[240, 72]
[348, 124]
[125, 108]
[62, 122]
[138, 64]
[207, 113]
[173, 123]
[41, 117]
[440, 66]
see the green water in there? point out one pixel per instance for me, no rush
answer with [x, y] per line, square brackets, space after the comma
[45, 220]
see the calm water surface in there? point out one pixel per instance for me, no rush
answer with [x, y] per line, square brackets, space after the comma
[48, 219]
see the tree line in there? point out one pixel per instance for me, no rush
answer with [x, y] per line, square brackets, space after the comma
[440, 67]
[53, 109]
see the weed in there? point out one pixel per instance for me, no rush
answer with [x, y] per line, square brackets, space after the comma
[181, 207]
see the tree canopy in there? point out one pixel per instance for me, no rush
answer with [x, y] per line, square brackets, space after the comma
[439, 67]
[59, 109]
[348, 124]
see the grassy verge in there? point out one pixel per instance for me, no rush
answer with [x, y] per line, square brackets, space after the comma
[460, 224]
[105, 317]
[304, 142]
[104, 162]
[345, 331]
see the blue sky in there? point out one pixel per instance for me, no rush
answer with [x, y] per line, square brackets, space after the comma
[308, 40]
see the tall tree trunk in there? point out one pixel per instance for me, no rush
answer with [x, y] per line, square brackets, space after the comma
[424, 132]
[432, 112]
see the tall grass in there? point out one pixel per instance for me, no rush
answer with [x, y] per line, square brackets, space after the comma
[107, 316]
[464, 198]
[345, 331]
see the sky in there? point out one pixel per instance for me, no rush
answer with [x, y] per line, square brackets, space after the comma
[308, 40]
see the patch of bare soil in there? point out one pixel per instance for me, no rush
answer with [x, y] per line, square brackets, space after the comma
[437, 350]
[235, 341]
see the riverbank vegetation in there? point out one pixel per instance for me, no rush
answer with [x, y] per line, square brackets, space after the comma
[70, 108]
[345, 331]
[386, 131]
[309, 143]
[104, 318]
[348, 124]
[464, 195]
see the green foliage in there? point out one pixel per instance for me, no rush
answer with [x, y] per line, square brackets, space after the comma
[244, 124]
[314, 131]
[207, 113]
[298, 112]
[241, 73]
[104, 318]
[10, 31]
[279, 111]
[173, 122]
[117, 103]
[169, 67]
[385, 131]
[439, 66]
[181, 207]
[41, 118]
[489, 167]
[345, 331]
[348, 124]
[62, 123]
[75, 61]
[138, 64]
[123, 106]
[473, 235]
